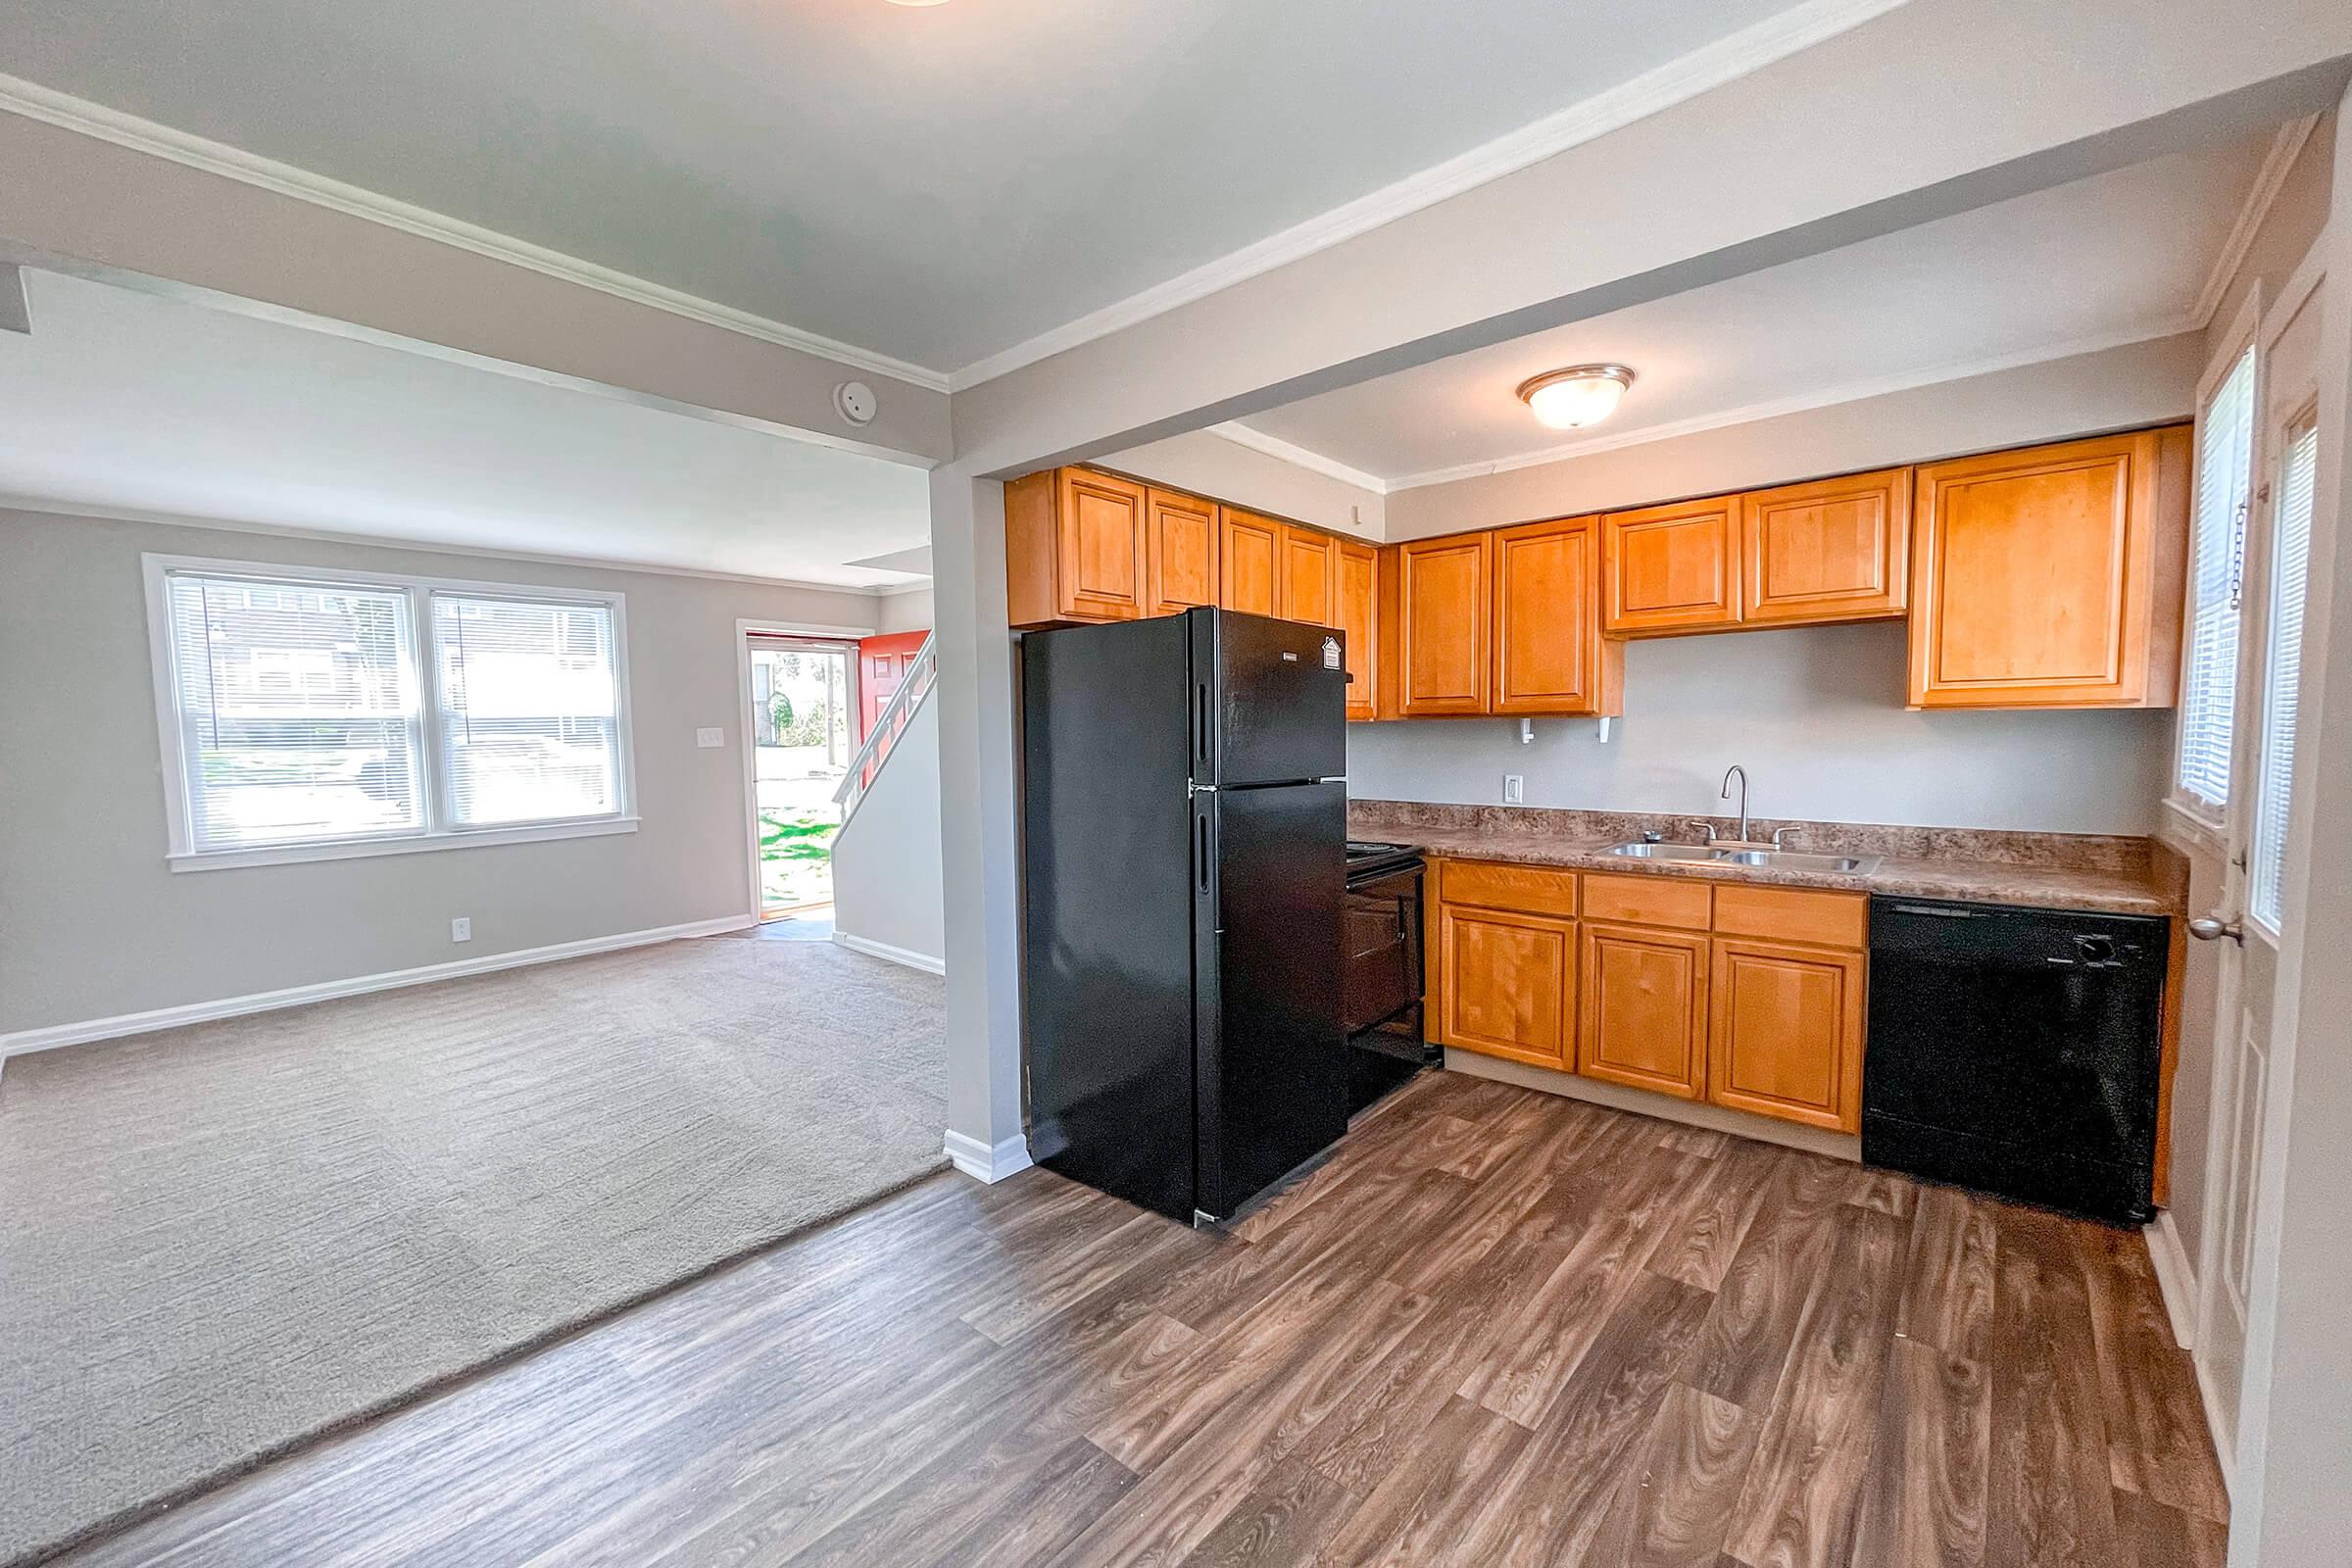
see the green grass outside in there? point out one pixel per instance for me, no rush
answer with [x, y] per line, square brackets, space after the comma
[796, 858]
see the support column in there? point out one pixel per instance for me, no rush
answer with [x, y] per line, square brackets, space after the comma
[2291, 1503]
[979, 825]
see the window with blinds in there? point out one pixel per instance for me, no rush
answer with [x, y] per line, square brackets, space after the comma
[529, 717]
[2217, 575]
[312, 716]
[297, 711]
[2291, 580]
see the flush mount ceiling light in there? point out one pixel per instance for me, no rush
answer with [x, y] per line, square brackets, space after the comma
[1580, 395]
[919, 2]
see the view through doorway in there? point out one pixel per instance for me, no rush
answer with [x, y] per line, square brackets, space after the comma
[803, 730]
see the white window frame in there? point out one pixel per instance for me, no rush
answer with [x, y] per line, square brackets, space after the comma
[2272, 927]
[437, 834]
[2204, 821]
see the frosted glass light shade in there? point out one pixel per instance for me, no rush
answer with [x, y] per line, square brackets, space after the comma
[1578, 396]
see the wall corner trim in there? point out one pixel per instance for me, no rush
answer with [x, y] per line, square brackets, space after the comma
[2175, 1278]
[984, 1162]
[51, 1035]
[883, 949]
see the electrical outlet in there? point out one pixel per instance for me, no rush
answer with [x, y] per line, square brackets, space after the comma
[1514, 788]
[709, 738]
[462, 928]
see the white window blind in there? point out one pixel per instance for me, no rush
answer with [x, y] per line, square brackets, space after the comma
[297, 711]
[2290, 576]
[530, 713]
[2209, 702]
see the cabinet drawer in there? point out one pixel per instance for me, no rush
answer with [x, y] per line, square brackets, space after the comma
[1794, 914]
[1494, 886]
[1646, 901]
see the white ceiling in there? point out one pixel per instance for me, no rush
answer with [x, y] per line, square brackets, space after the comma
[132, 402]
[2121, 255]
[936, 183]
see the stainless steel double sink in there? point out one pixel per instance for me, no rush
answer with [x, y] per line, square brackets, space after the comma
[1762, 854]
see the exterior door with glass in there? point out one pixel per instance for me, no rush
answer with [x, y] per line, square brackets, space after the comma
[2245, 921]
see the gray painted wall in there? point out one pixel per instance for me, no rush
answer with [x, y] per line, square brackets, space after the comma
[93, 922]
[886, 866]
[1817, 717]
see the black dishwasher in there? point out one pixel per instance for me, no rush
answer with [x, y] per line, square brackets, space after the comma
[2016, 1051]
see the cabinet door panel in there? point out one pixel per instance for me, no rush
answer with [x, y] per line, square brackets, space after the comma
[1833, 550]
[1786, 1038]
[1443, 625]
[2050, 576]
[1669, 569]
[1183, 558]
[1509, 983]
[1249, 564]
[1359, 618]
[1309, 576]
[1102, 546]
[1644, 1010]
[1549, 657]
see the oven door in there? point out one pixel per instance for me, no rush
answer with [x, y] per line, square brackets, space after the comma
[1382, 975]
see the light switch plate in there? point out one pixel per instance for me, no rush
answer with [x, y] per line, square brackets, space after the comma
[709, 738]
[1514, 789]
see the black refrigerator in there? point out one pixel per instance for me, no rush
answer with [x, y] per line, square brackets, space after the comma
[1184, 821]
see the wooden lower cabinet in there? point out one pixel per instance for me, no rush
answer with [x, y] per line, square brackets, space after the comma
[1506, 984]
[1785, 1037]
[1745, 995]
[1644, 1016]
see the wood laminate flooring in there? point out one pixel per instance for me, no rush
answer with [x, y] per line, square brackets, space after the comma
[1495, 1328]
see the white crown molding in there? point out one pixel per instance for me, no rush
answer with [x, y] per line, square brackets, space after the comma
[39, 505]
[68, 113]
[1824, 397]
[1661, 88]
[2287, 145]
[1242, 435]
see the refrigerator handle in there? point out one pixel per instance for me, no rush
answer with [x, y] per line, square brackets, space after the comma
[1201, 847]
[1201, 724]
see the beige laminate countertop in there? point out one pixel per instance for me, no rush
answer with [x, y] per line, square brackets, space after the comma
[2139, 887]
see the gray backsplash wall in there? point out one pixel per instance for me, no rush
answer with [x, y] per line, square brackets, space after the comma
[1817, 717]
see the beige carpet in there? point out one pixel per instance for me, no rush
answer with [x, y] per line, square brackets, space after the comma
[218, 1241]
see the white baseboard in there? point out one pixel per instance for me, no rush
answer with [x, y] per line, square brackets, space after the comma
[883, 949]
[51, 1035]
[2176, 1279]
[982, 1162]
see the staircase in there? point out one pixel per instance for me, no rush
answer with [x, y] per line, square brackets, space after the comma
[888, 725]
[885, 858]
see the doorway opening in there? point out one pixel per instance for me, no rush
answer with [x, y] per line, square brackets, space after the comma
[803, 728]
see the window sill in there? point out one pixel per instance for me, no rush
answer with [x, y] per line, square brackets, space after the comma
[413, 844]
[2184, 822]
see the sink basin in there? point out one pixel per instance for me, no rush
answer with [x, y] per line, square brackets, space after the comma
[1782, 860]
[1663, 851]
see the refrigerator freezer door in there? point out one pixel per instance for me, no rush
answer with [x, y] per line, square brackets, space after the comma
[1270, 700]
[1270, 1057]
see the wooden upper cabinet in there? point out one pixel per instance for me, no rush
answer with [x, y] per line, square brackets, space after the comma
[1508, 984]
[2052, 577]
[1308, 578]
[1074, 548]
[1181, 561]
[1249, 562]
[1358, 619]
[1832, 550]
[1645, 1012]
[1671, 569]
[1787, 1034]
[1549, 656]
[1440, 649]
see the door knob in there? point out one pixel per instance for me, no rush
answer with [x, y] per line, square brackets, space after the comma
[2210, 928]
